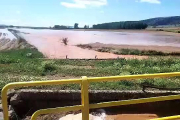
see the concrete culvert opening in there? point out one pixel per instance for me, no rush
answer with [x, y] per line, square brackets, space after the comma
[25, 102]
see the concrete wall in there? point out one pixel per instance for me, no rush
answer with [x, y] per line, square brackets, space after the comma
[26, 102]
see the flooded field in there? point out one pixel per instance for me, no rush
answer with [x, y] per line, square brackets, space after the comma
[50, 44]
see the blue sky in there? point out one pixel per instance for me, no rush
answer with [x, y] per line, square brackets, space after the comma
[67, 12]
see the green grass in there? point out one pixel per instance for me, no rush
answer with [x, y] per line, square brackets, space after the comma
[15, 56]
[17, 66]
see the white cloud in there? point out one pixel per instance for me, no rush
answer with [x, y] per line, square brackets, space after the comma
[102, 11]
[150, 1]
[73, 5]
[18, 12]
[84, 3]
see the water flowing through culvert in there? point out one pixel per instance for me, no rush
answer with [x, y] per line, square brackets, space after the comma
[98, 115]
[101, 115]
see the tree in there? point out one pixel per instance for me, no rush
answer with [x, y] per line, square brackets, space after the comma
[85, 27]
[56, 26]
[11, 26]
[76, 26]
[60, 27]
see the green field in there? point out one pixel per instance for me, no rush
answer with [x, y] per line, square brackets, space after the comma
[17, 66]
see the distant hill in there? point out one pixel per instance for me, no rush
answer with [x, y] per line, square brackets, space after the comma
[142, 24]
[174, 20]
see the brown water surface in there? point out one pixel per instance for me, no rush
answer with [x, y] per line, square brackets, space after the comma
[50, 44]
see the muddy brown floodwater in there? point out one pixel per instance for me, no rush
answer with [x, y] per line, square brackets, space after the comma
[49, 42]
[132, 117]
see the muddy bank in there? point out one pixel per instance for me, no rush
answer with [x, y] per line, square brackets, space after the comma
[100, 46]
[12, 40]
[32, 100]
[7, 44]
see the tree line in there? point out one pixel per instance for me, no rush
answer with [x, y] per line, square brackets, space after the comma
[121, 25]
[60, 27]
[113, 25]
[66, 27]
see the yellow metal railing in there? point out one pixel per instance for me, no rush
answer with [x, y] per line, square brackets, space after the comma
[85, 106]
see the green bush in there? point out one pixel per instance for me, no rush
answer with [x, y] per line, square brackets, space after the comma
[48, 67]
[84, 46]
[104, 49]
[159, 30]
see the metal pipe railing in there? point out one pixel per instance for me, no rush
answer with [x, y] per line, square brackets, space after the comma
[84, 81]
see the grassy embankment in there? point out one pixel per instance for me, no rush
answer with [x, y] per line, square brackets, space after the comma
[17, 66]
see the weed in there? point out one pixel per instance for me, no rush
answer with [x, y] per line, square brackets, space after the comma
[65, 41]
[48, 67]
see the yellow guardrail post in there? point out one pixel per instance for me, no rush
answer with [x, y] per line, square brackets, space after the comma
[85, 98]
[54, 110]
[85, 94]
[26, 84]
[4, 102]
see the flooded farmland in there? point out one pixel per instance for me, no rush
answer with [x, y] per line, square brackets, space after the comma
[50, 44]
